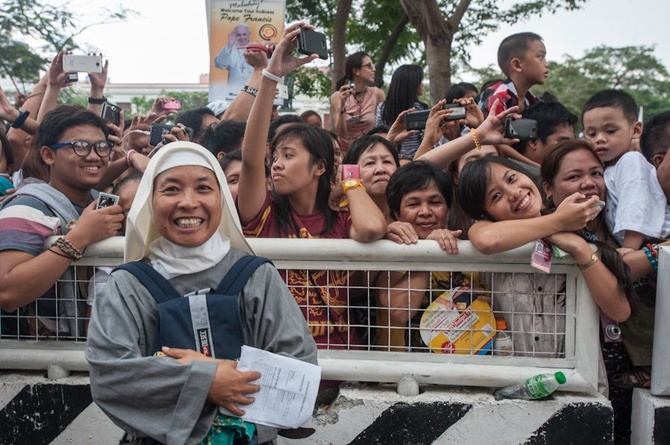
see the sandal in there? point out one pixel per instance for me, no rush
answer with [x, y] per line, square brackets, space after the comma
[638, 377]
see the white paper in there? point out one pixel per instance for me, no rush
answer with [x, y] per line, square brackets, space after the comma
[288, 389]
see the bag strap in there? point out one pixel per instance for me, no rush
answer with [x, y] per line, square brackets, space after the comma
[156, 284]
[239, 274]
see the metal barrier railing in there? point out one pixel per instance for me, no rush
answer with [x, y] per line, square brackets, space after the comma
[578, 358]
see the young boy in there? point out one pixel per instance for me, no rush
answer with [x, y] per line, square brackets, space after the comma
[522, 58]
[636, 205]
[654, 142]
[555, 124]
[73, 147]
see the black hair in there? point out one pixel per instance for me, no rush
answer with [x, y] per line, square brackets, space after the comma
[226, 136]
[473, 182]
[549, 116]
[282, 120]
[403, 92]
[417, 175]
[7, 152]
[458, 90]
[378, 129]
[319, 144]
[514, 46]
[309, 113]
[64, 117]
[229, 158]
[354, 61]
[193, 119]
[135, 176]
[613, 99]
[656, 135]
[360, 145]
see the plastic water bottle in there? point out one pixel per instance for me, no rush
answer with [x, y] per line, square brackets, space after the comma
[502, 345]
[536, 387]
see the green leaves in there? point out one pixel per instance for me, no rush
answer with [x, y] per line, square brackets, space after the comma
[32, 32]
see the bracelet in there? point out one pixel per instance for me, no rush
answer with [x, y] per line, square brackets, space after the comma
[653, 249]
[97, 100]
[50, 249]
[651, 258]
[270, 76]
[129, 157]
[21, 119]
[589, 263]
[68, 249]
[475, 139]
[251, 90]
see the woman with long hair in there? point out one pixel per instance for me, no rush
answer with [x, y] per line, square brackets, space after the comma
[353, 105]
[404, 91]
[297, 207]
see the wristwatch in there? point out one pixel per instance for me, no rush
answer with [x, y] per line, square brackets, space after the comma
[350, 184]
[97, 100]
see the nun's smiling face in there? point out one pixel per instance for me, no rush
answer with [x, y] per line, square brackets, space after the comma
[187, 205]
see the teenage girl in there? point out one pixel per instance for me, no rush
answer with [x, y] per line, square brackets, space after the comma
[297, 207]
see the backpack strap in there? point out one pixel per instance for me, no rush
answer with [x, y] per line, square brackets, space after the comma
[156, 284]
[239, 274]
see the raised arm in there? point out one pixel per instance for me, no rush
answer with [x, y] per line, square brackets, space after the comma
[56, 80]
[252, 187]
[240, 107]
[490, 132]
[495, 237]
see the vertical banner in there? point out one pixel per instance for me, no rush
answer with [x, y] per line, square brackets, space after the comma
[232, 25]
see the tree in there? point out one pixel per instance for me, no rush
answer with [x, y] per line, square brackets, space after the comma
[438, 22]
[52, 27]
[633, 69]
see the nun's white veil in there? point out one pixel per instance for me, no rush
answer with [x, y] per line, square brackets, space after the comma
[141, 232]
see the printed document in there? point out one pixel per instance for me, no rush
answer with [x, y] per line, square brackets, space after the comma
[288, 389]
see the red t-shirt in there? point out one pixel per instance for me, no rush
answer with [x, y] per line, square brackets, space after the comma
[322, 295]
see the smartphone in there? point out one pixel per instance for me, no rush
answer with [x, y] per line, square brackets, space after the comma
[350, 171]
[416, 120]
[521, 129]
[312, 42]
[172, 104]
[82, 64]
[106, 200]
[157, 132]
[72, 77]
[457, 112]
[111, 113]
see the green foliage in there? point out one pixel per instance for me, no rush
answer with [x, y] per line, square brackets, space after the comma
[189, 100]
[634, 69]
[52, 28]
[311, 81]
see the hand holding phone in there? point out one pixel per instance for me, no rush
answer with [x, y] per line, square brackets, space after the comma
[172, 105]
[312, 42]
[157, 132]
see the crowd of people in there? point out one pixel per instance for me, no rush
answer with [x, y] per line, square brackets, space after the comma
[188, 202]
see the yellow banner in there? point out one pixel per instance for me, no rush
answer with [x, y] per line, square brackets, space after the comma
[232, 25]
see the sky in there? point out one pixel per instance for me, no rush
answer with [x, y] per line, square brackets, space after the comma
[167, 42]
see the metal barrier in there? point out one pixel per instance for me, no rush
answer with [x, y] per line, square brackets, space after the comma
[660, 371]
[578, 357]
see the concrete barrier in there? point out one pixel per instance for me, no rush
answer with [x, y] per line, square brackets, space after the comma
[650, 423]
[36, 410]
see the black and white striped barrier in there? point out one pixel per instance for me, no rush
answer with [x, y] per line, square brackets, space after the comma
[34, 410]
[374, 415]
[650, 423]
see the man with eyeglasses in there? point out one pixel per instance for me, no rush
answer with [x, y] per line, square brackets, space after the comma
[38, 293]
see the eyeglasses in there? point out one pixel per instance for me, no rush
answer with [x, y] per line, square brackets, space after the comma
[368, 65]
[83, 148]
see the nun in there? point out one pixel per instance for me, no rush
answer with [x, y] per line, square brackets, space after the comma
[184, 224]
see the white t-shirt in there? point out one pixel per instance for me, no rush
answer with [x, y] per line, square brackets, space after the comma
[635, 199]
